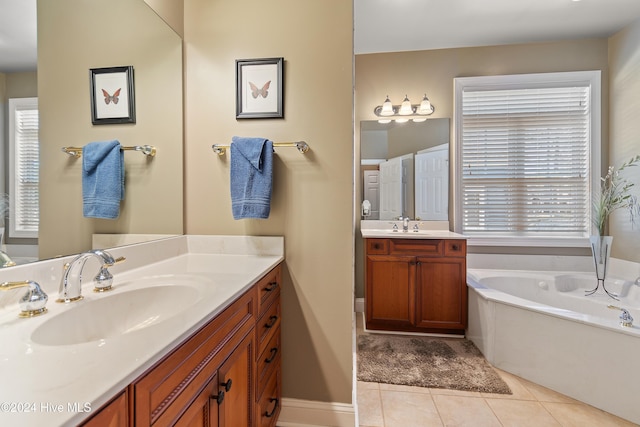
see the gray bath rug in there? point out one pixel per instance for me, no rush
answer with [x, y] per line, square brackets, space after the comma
[450, 363]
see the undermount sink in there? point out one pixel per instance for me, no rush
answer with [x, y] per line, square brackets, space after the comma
[113, 315]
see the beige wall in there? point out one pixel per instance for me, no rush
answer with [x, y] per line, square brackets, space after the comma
[171, 11]
[624, 137]
[312, 195]
[74, 36]
[432, 72]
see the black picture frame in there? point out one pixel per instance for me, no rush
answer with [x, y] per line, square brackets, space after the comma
[259, 88]
[112, 95]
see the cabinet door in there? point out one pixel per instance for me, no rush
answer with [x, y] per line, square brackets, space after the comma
[234, 379]
[442, 294]
[390, 291]
[203, 411]
[115, 414]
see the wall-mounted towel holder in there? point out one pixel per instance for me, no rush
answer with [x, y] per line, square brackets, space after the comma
[303, 147]
[147, 150]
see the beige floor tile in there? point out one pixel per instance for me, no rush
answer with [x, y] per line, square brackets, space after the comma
[518, 413]
[364, 385]
[543, 394]
[406, 388]
[404, 409]
[582, 415]
[455, 392]
[369, 407]
[462, 411]
[519, 391]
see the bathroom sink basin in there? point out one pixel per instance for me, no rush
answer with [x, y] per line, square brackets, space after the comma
[109, 316]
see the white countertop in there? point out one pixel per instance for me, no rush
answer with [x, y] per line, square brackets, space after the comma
[51, 385]
[373, 229]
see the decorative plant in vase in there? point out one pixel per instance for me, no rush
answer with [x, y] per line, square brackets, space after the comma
[614, 194]
[4, 212]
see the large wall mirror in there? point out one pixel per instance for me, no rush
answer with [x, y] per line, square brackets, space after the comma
[405, 170]
[67, 48]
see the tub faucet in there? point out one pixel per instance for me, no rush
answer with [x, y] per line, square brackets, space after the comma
[625, 318]
[72, 290]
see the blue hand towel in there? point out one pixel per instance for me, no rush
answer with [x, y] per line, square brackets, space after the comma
[251, 177]
[102, 179]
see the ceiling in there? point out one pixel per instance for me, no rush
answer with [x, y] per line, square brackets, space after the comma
[401, 25]
[18, 41]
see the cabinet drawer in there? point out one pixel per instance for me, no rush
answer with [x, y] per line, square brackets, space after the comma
[457, 248]
[422, 247]
[162, 395]
[268, 406]
[377, 246]
[267, 325]
[268, 289]
[268, 361]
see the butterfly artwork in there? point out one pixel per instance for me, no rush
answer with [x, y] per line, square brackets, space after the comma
[264, 91]
[111, 98]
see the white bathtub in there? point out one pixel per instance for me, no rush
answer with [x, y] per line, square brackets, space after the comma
[541, 326]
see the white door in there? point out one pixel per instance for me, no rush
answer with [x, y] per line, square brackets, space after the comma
[432, 184]
[391, 189]
[371, 192]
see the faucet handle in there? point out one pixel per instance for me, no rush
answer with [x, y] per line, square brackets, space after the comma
[625, 316]
[104, 278]
[33, 302]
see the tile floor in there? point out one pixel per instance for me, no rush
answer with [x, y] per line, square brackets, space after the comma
[386, 405]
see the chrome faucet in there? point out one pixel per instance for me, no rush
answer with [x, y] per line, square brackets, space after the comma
[72, 291]
[33, 302]
[405, 224]
[625, 317]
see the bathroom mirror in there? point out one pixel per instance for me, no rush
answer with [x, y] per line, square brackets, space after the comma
[405, 169]
[62, 229]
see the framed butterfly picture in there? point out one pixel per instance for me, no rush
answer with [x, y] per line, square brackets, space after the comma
[112, 95]
[259, 88]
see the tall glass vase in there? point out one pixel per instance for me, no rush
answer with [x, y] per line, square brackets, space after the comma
[601, 252]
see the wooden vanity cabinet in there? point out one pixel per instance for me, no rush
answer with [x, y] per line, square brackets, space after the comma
[416, 285]
[268, 360]
[226, 374]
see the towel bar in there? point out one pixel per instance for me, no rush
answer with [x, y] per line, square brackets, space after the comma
[303, 147]
[147, 150]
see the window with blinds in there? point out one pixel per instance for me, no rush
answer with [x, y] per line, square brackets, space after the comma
[24, 165]
[525, 156]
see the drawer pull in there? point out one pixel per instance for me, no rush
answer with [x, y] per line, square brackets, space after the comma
[455, 247]
[376, 246]
[271, 286]
[272, 321]
[275, 406]
[274, 351]
[219, 398]
[227, 385]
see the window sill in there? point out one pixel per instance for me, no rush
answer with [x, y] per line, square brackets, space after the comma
[550, 242]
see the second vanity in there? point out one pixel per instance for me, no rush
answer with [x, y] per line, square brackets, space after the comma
[415, 278]
[189, 335]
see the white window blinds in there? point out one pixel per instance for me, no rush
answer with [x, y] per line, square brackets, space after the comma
[24, 168]
[525, 160]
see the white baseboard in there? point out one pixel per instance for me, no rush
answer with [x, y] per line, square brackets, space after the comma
[308, 413]
[359, 305]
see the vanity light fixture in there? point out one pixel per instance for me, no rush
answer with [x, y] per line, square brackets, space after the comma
[404, 112]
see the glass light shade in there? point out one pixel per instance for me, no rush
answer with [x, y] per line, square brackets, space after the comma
[402, 120]
[387, 108]
[384, 121]
[405, 107]
[420, 120]
[425, 106]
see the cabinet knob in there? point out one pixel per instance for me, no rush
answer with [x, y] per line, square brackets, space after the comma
[227, 385]
[274, 351]
[455, 247]
[272, 321]
[275, 401]
[271, 286]
[219, 398]
[376, 246]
